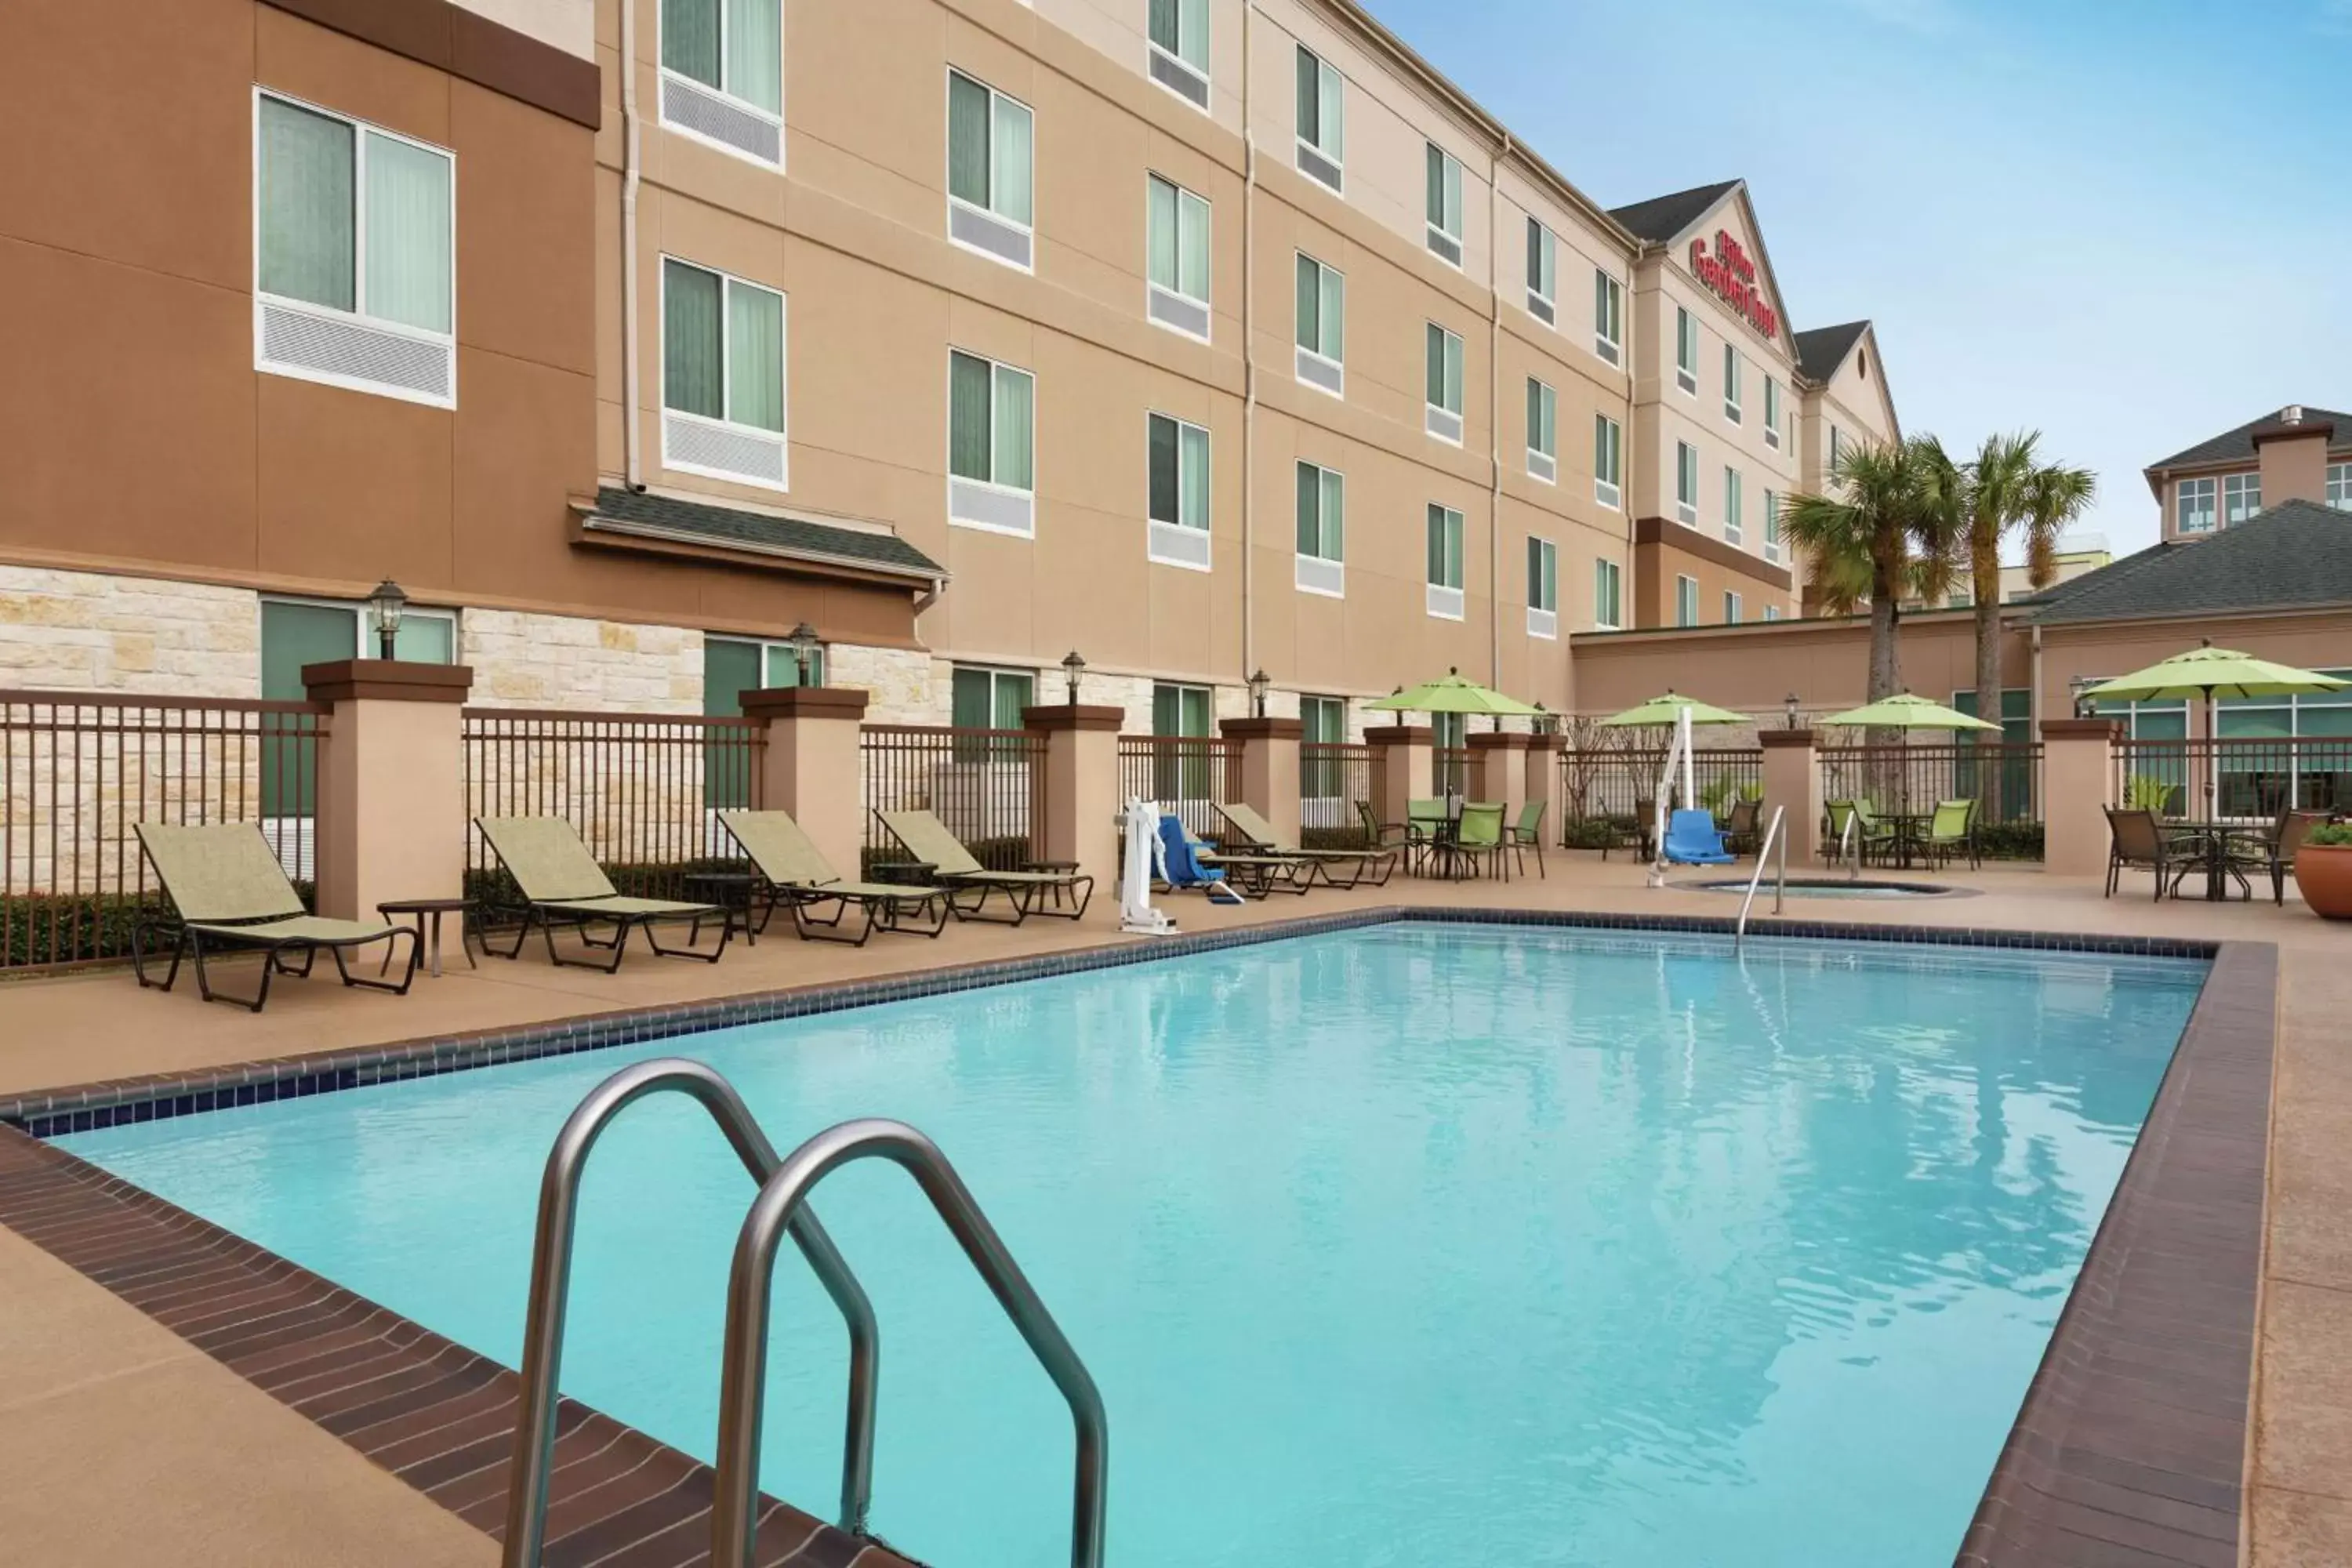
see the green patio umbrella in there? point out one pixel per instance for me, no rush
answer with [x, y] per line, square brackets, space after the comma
[1665, 710]
[1455, 693]
[2211, 673]
[1904, 711]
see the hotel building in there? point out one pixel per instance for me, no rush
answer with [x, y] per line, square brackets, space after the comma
[2294, 453]
[1197, 336]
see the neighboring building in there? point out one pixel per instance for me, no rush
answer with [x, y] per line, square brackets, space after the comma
[967, 332]
[2297, 451]
[2078, 556]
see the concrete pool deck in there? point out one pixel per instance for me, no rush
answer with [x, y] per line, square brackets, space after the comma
[81, 1029]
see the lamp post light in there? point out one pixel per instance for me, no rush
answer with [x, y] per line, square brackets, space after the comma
[1547, 721]
[1789, 705]
[1258, 684]
[804, 642]
[1073, 666]
[384, 606]
[2077, 687]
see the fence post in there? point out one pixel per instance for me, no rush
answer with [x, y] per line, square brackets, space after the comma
[1498, 768]
[1269, 769]
[811, 766]
[392, 783]
[1082, 803]
[1542, 781]
[2078, 784]
[1400, 766]
[1793, 780]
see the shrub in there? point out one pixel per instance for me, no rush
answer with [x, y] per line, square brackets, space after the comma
[2009, 840]
[72, 928]
[1596, 832]
[2331, 835]
[1332, 838]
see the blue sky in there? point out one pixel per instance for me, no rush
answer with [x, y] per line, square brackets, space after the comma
[2123, 223]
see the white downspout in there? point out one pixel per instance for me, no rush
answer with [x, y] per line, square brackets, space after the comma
[630, 162]
[1249, 362]
[1495, 414]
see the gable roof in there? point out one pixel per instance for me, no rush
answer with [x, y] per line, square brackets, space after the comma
[2238, 445]
[1821, 350]
[1663, 218]
[2298, 553]
[649, 516]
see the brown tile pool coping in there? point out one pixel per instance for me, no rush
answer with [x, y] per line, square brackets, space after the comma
[2129, 1449]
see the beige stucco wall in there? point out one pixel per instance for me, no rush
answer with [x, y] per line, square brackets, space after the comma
[1753, 669]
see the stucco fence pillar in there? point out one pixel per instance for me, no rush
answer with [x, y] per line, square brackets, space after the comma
[1400, 756]
[1082, 804]
[1541, 780]
[2078, 784]
[1498, 769]
[811, 768]
[1269, 769]
[391, 789]
[1792, 784]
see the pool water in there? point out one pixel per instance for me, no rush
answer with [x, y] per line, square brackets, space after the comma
[1407, 1245]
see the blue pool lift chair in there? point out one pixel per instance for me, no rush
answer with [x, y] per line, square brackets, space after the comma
[1182, 865]
[1691, 839]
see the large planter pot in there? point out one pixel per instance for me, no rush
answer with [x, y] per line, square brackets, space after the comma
[2323, 873]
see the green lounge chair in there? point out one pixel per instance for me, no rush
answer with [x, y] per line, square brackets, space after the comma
[230, 893]
[562, 885]
[1527, 834]
[1259, 837]
[1952, 833]
[927, 838]
[797, 874]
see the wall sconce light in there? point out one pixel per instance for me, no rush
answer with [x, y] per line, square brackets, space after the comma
[804, 642]
[384, 606]
[1258, 684]
[1073, 666]
[1789, 706]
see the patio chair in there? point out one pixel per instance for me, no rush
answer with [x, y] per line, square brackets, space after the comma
[230, 893]
[1527, 834]
[1379, 834]
[2274, 852]
[1479, 839]
[1182, 870]
[796, 873]
[1025, 890]
[1740, 825]
[1258, 836]
[2136, 839]
[1869, 832]
[1645, 817]
[1427, 823]
[1691, 839]
[562, 885]
[1192, 864]
[1952, 833]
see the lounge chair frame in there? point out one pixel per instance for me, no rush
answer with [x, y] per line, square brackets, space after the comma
[1257, 838]
[912, 911]
[1023, 889]
[547, 914]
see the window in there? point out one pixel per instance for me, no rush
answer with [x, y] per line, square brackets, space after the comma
[1176, 223]
[730, 666]
[2241, 497]
[722, 376]
[1771, 526]
[1179, 55]
[1180, 711]
[1685, 351]
[1445, 203]
[1686, 600]
[722, 76]
[354, 255]
[1443, 361]
[1687, 482]
[1445, 598]
[1322, 534]
[2193, 511]
[1543, 588]
[1324, 720]
[983, 698]
[1608, 460]
[1543, 274]
[1322, 121]
[991, 445]
[2261, 782]
[295, 633]
[1837, 449]
[1605, 603]
[1731, 608]
[1732, 522]
[1322, 326]
[1323, 775]
[1772, 612]
[989, 172]
[1180, 493]
[1731, 383]
[1543, 432]
[2339, 486]
[1608, 316]
[1772, 412]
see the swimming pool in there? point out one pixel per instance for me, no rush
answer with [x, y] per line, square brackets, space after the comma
[1385, 1247]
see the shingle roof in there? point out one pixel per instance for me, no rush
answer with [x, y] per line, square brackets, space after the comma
[2238, 445]
[1661, 218]
[731, 528]
[2297, 553]
[1821, 351]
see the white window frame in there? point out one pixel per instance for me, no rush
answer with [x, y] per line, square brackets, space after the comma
[1445, 424]
[1686, 497]
[1685, 600]
[2207, 489]
[995, 367]
[727, 282]
[1772, 412]
[1772, 525]
[1543, 462]
[1326, 577]
[1731, 392]
[1336, 363]
[1608, 462]
[2339, 486]
[741, 105]
[1543, 303]
[989, 214]
[1732, 606]
[357, 317]
[1443, 243]
[1772, 612]
[1735, 526]
[2242, 498]
[1156, 530]
[1327, 79]
[1608, 316]
[1685, 336]
[1152, 310]
[363, 643]
[1446, 601]
[1543, 619]
[1605, 571]
[769, 647]
[1158, 59]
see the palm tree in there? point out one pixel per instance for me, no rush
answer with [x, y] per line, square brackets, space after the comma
[1882, 534]
[2004, 489]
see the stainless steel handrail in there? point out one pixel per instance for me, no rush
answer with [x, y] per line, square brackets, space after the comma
[742, 1391]
[1850, 845]
[1772, 835]
[551, 1282]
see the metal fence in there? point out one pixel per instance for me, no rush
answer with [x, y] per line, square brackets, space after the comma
[1449, 769]
[79, 772]
[2003, 777]
[987, 786]
[1332, 778]
[2231, 779]
[1186, 775]
[643, 789]
[1614, 783]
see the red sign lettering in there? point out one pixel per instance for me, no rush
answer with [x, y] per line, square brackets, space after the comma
[1732, 275]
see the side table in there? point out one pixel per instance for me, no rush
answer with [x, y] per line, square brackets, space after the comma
[430, 936]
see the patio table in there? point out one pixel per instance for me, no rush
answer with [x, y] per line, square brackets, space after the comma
[2208, 843]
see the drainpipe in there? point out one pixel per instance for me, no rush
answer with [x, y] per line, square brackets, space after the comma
[630, 163]
[1495, 413]
[1249, 362]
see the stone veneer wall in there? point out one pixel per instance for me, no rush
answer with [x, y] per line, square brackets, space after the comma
[88, 631]
[905, 686]
[527, 660]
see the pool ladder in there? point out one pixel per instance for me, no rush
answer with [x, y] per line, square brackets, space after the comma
[780, 1209]
[1772, 836]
